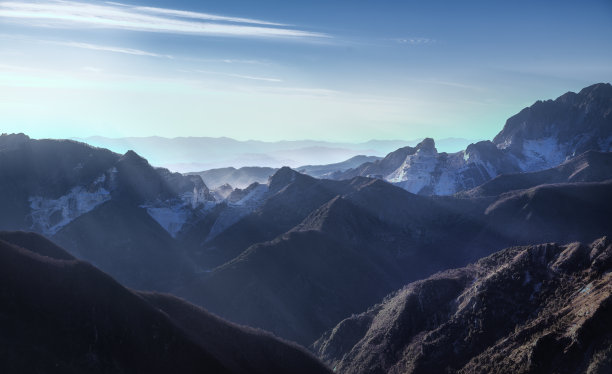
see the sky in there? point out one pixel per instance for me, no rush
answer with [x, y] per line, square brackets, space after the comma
[342, 70]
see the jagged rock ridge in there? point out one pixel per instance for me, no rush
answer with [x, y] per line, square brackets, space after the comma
[536, 309]
[540, 137]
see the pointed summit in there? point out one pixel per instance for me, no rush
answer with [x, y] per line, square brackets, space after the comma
[427, 145]
[283, 177]
[139, 181]
[133, 158]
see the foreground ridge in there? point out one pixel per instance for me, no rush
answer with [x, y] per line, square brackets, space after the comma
[61, 315]
[534, 309]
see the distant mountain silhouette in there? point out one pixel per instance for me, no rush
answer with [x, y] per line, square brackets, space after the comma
[327, 171]
[245, 176]
[193, 154]
[240, 178]
[535, 309]
[61, 315]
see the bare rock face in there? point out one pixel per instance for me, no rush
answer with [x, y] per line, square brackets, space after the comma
[535, 309]
[540, 137]
[548, 132]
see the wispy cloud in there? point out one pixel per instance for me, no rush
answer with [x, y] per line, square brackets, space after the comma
[126, 17]
[250, 62]
[106, 48]
[301, 91]
[414, 40]
[241, 76]
[205, 16]
[91, 69]
[451, 84]
[251, 77]
[90, 46]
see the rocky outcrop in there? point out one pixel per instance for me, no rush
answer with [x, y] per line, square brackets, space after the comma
[535, 309]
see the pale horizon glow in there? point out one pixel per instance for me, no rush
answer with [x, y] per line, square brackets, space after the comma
[338, 71]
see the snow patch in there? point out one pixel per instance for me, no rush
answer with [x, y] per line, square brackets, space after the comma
[254, 197]
[195, 197]
[173, 214]
[236, 211]
[542, 154]
[415, 173]
[50, 215]
[507, 143]
[171, 218]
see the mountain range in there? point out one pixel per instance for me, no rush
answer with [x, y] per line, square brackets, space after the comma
[193, 154]
[298, 255]
[539, 137]
[247, 175]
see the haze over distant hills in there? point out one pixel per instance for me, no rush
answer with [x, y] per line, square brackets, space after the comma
[296, 255]
[194, 154]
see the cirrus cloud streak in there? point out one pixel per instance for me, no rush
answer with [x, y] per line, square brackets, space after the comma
[72, 14]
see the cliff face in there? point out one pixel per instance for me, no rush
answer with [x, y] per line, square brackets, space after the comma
[539, 137]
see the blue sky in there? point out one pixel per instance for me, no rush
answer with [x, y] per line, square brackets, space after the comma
[271, 70]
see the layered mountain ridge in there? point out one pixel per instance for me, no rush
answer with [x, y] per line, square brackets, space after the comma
[72, 318]
[537, 138]
[114, 210]
[296, 255]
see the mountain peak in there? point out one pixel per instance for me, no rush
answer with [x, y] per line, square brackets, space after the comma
[132, 156]
[281, 178]
[598, 89]
[12, 140]
[427, 145]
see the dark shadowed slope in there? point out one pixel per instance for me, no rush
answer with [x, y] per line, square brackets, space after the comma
[591, 166]
[290, 198]
[535, 309]
[301, 282]
[59, 315]
[129, 244]
[99, 205]
[363, 244]
[556, 212]
[25, 239]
